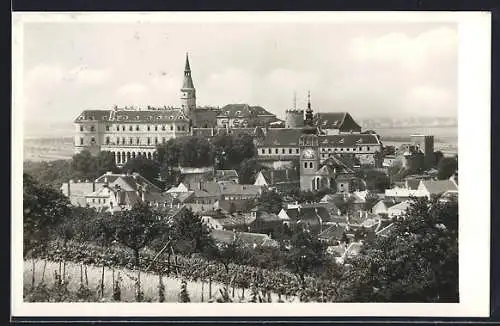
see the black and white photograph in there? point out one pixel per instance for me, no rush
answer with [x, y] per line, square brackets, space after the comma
[246, 158]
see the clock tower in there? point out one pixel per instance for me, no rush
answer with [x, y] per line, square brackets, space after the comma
[309, 160]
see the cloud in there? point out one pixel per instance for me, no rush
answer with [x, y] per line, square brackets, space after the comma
[411, 53]
[85, 76]
[430, 101]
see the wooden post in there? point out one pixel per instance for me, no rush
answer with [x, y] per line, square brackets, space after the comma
[81, 274]
[113, 278]
[202, 290]
[233, 290]
[33, 276]
[243, 293]
[86, 277]
[43, 271]
[102, 282]
[210, 287]
[60, 270]
[64, 273]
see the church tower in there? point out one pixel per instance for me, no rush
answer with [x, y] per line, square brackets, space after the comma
[188, 92]
[309, 160]
[309, 112]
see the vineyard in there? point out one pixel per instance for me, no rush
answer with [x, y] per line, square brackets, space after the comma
[201, 276]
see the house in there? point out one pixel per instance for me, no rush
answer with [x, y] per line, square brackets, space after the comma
[333, 234]
[449, 196]
[243, 115]
[281, 179]
[223, 221]
[436, 187]
[336, 123]
[178, 189]
[252, 240]
[193, 177]
[381, 208]
[76, 191]
[399, 210]
[239, 191]
[224, 176]
[313, 218]
[233, 206]
[264, 222]
[123, 191]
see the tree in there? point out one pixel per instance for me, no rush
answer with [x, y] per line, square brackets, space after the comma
[190, 234]
[416, 262]
[236, 149]
[84, 165]
[248, 169]
[137, 228]
[306, 255]
[271, 202]
[446, 167]
[44, 208]
[106, 163]
[53, 173]
[371, 199]
[438, 155]
[147, 168]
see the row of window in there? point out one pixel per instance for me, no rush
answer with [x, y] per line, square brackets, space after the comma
[136, 141]
[137, 128]
[277, 151]
[99, 200]
[291, 150]
[308, 164]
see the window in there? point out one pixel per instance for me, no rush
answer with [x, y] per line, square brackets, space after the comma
[263, 151]
[289, 151]
[118, 141]
[92, 140]
[183, 127]
[311, 165]
[138, 140]
[163, 128]
[178, 128]
[123, 128]
[136, 128]
[81, 128]
[123, 140]
[283, 151]
[81, 141]
[93, 200]
[329, 149]
[156, 127]
[149, 128]
[130, 128]
[163, 140]
[149, 140]
[117, 128]
[297, 151]
[92, 128]
[171, 127]
[276, 151]
[341, 149]
[156, 141]
[107, 127]
[367, 148]
[305, 165]
[107, 140]
[130, 141]
[269, 151]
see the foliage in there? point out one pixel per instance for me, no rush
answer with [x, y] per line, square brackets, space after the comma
[271, 202]
[44, 208]
[248, 169]
[135, 228]
[447, 167]
[86, 166]
[306, 254]
[53, 173]
[184, 295]
[147, 168]
[190, 234]
[371, 199]
[437, 156]
[417, 262]
[232, 150]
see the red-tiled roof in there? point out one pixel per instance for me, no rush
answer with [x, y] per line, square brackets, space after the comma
[337, 120]
[437, 187]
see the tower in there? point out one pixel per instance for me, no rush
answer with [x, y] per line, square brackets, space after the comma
[309, 112]
[188, 92]
[294, 118]
[309, 160]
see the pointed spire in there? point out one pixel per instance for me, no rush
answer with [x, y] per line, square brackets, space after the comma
[309, 112]
[188, 81]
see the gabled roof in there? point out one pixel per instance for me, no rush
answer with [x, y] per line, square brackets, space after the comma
[151, 116]
[324, 171]
[437, 187]
[128, 182]
[245, 237]
[239, 205]
[274, 177]
[98, 115]
[223, 175]
[202, 170]
[333, 232]
[240, 189]
[337, 120]
[211, 187]
[280, 137]
[338, 162]
[243, 111]
[401, 206]
[348, 140]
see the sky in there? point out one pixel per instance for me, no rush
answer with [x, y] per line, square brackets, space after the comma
[368, 69]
